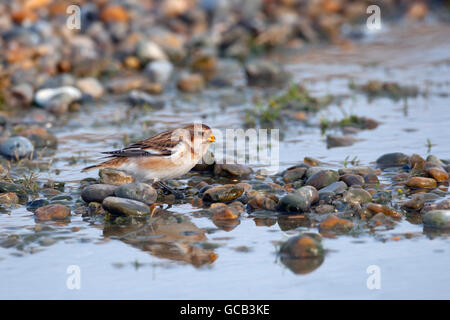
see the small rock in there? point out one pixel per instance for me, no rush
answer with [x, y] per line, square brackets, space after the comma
[150, 51]
[359, 170]
[35, 204]
[262, 202]
[324, 208]
[190, 82]
[340, 141]
[303, 246]
[225, 193]
[322, 179]
[119, 206]
[380, 219]
[11, 187]
[159, 71]
[441, 205]
[233, 170]
[9, 198]
[300, 200]
[415, 203]
[137, 191]
[52, 212]
[374, 207]
[357, 196]
[115, 177]
[91, 86]
[371, 178]
[224, 212]
[16, 148]
[337, 187]
[97, 192]
[294, 174]
[22, 94]
[57, 100]
[352, 179]
[437, 219]
[438, 174]
[40, 138]
[333, 223]
[141, 98]
[420, 182]
[396, 159]
[265, 73]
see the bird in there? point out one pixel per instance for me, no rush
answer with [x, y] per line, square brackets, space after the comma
[167, 155]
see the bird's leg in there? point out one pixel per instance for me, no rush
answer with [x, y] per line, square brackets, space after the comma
[177, 194]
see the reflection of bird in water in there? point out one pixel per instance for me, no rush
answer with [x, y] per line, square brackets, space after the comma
[170, 236]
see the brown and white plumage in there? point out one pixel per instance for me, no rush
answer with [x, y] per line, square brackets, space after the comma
[166, 155]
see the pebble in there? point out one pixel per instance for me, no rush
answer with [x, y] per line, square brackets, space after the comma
[420, 182]
[97, 192]
[352, 179]
[52, 212]
[159, 71]
[359, 170]
[340, 141]
[23, 93]
[40, 138]
[137, 191]
[262, 202]
[35, 204]
[120, 206]
[224, 212]
[322, 179]
[11, 187]
[439, 219]
[374, 207]
[9, 198]
[90, 86]
[16, 148]
[299, 201]
[438, 174]
[232, 170]
[415, 203]
[150, 51]
[114, 177]
[265, 73]
[355, 195]
[380, 219]
[337, 187]
[324, 208]
[141, 98]
[396, 159]
[441, 205]
[302, 246]
[190, 82]
[371, 178]
[224, 193]
[294, 174]
[46, 98]
[333, 223]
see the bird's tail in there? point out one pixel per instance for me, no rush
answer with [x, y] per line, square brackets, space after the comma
[112, 163]
[96, 166]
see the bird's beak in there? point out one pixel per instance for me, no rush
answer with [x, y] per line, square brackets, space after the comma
[212, 138]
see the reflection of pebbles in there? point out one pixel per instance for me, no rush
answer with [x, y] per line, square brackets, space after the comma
[226, 225]
[287, 222]
[169, 236]
[302, 266]
[436, 233]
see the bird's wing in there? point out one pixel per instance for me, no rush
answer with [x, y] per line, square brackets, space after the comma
[162, 144]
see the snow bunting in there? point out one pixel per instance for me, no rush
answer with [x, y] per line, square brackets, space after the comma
[167, 155]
